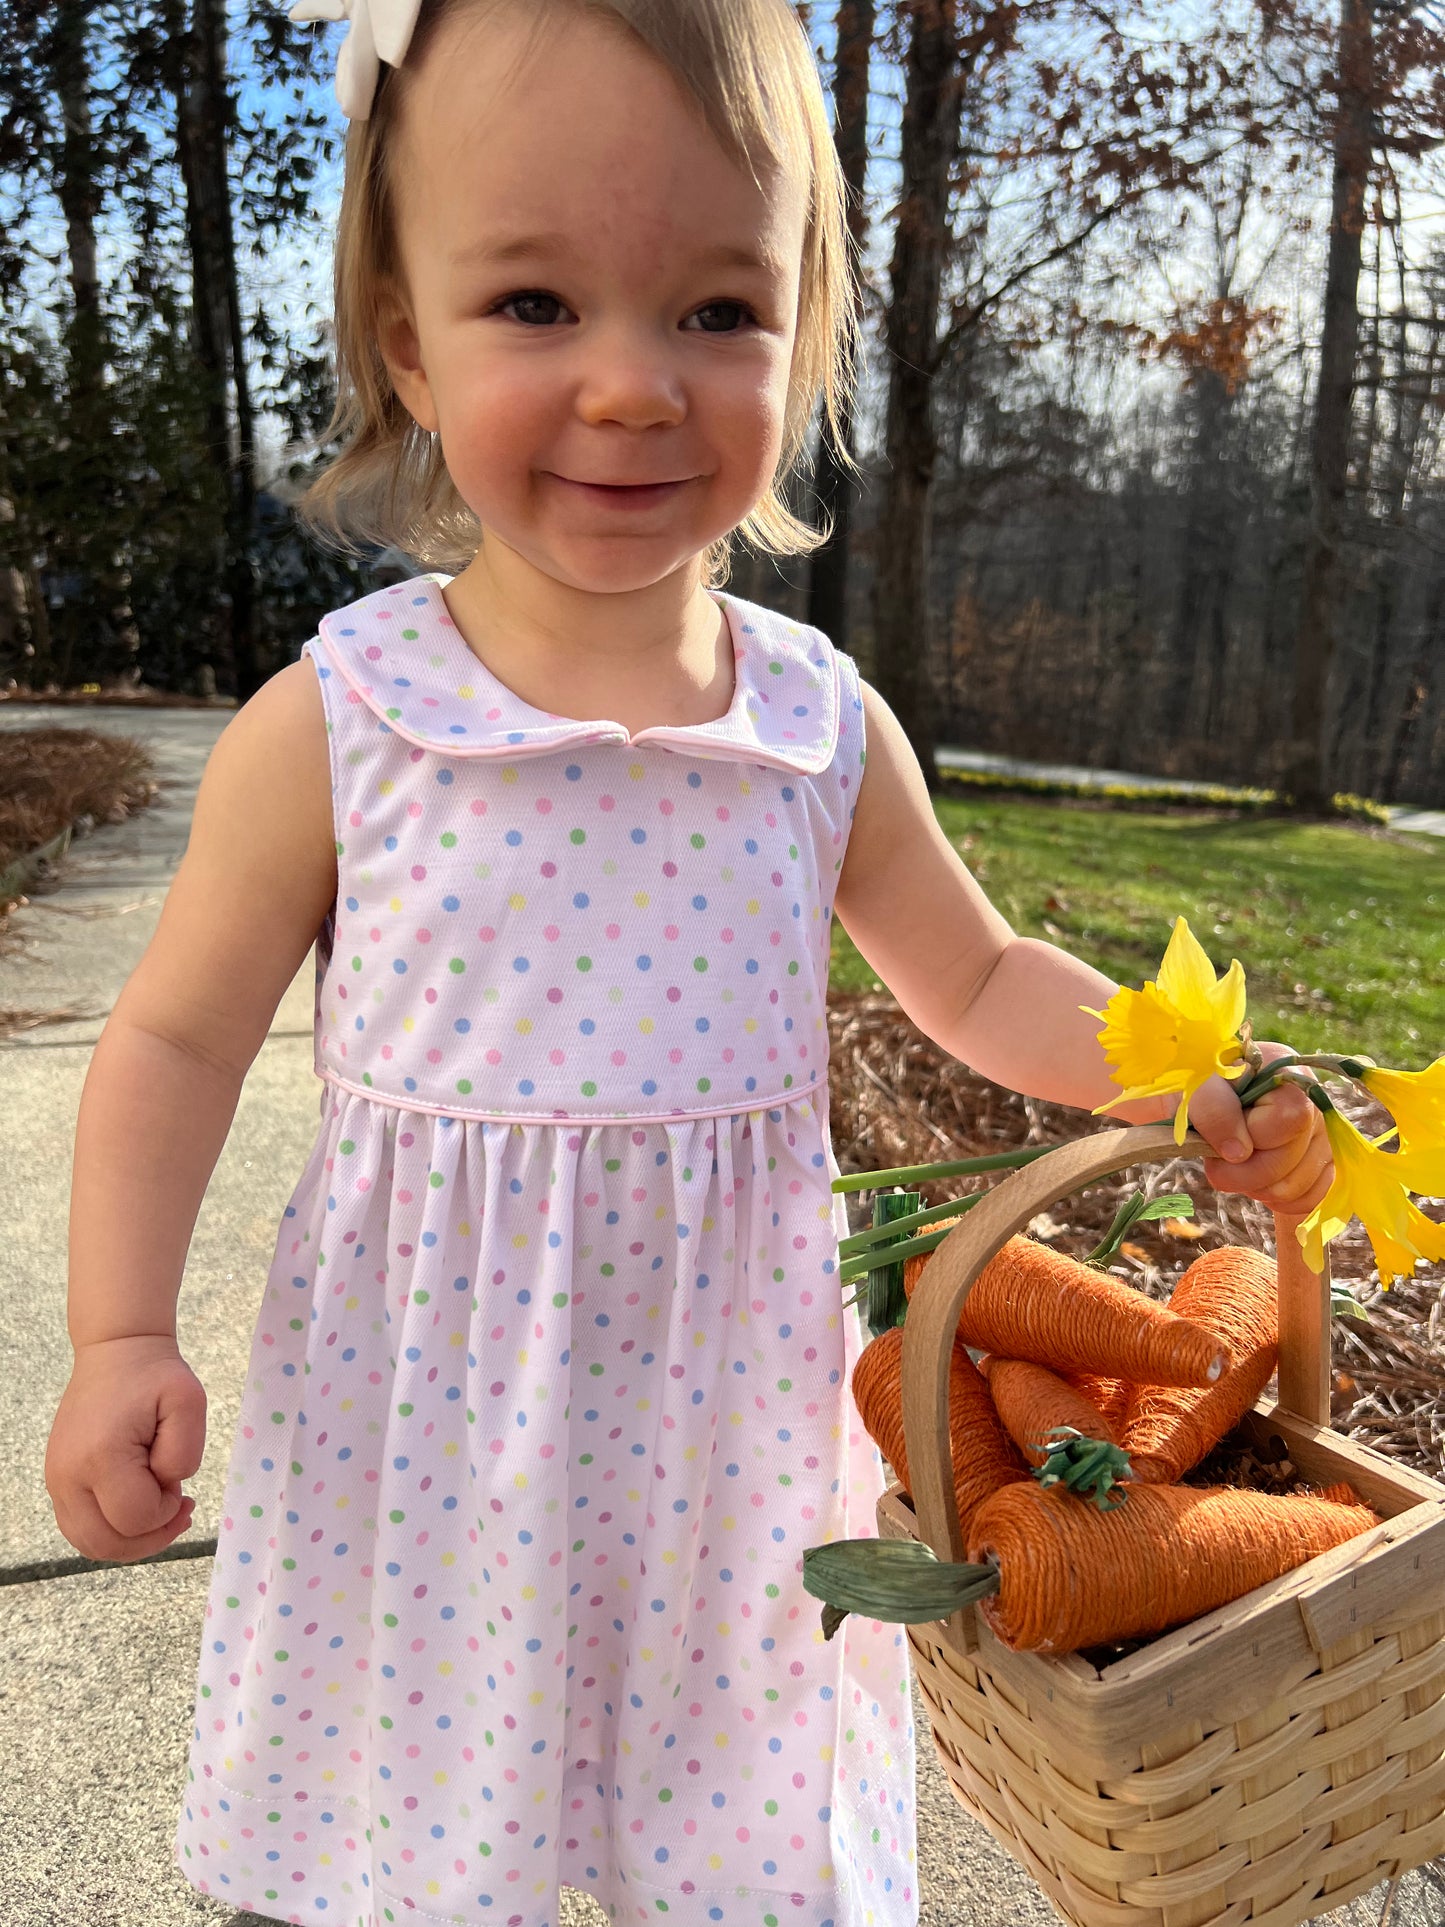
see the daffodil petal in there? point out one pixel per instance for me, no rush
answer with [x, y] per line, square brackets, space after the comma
[1141, 1040]
[1186, 976]
[1371, 1184]
[1421, 1170]
[1229, 996]
[1416, 1101]
[1172, 1080]
[1312, 1241]
[1178, 1031]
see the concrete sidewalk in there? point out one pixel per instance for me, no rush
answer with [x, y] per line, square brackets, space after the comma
[97, 1668]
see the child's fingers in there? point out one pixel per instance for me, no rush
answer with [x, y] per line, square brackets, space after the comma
[1215, 1112]
[131, 1502]
[1293, 1177]
[1281, 1115]
[1307, 1184]
[1265, 1168]
[91, 1533]
[179, 1442]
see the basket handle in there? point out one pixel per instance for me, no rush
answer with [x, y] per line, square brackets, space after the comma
[933, 1312]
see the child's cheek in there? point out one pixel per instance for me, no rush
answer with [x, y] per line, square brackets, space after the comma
[752, 418]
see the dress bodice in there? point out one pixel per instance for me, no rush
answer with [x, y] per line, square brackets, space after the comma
[541, 917]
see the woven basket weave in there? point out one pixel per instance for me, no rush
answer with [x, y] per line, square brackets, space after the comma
[1265, 1763]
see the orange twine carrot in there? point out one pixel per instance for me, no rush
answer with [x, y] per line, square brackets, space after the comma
[982, 1455]
[1231, 1292]
[1108, 1396]
[1030, 1301]
[1071, 1576]
[1032, 1401]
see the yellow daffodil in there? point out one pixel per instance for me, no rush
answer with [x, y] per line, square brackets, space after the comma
[1371, 1184]
[1178, 1031]
[1416, 1101]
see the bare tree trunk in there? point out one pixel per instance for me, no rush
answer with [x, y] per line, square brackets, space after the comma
[42, 656]
[111, 641]
[833, 485]
[902, 626]
[1414, 697]
[1305, 776]
[78, 175]
[1189, 708]
[203, 119]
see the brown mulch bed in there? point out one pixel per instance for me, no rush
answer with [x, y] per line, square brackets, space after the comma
[52, 777]
[896, 1098]
[116, 696]
[56, 775]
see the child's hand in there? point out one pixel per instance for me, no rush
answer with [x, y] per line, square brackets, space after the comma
[1285, 1160]
[130, 1426]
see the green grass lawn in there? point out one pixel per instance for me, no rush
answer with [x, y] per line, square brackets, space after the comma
[1339, 929]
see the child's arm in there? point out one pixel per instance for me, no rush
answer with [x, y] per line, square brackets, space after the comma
[245, 904]
[1008, 1006]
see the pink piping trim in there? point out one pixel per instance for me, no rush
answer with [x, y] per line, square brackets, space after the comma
[572, 1117]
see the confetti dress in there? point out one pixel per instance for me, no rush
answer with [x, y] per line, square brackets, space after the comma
[549, 1387]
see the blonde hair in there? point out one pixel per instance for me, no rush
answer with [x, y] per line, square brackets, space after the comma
[749, 67]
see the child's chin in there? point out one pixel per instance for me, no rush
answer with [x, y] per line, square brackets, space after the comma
[619, 566]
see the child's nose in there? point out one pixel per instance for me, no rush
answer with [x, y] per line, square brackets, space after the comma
[628, 379]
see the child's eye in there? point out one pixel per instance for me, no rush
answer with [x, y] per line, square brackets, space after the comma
[533, 307]
[722, 317]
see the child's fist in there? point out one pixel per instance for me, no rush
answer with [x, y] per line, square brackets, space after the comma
[130, 1426]
[1276, 1150]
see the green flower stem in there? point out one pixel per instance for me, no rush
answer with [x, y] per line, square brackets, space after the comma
[925, 1173]
[881, 1233]
[1264, 1079]
[1285, 1074]
[866, 1261]
[1275, 1072]
[883, 1288]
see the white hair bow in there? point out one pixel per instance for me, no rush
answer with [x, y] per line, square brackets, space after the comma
[380, 30]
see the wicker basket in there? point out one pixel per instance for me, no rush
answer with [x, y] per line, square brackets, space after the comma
[1265, 1763]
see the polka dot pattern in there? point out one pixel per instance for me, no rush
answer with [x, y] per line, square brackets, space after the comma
[604, 931]
[401, 653]
[541, 1411]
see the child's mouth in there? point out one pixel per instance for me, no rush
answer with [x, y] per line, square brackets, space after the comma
[624, 495]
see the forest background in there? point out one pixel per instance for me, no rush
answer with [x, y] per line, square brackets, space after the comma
[1149, 437]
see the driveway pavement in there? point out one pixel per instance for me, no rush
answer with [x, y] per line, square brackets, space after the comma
[97, 1666]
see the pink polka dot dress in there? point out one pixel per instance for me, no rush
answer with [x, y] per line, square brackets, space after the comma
[549, 1387]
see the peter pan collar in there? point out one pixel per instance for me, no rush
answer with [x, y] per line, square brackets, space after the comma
[401, 653]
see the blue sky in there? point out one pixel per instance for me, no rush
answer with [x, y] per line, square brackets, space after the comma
[293, 276]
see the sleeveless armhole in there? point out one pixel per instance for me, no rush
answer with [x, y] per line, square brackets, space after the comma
[326, 935]
[852, 741]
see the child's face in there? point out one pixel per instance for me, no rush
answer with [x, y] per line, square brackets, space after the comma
[601, 302]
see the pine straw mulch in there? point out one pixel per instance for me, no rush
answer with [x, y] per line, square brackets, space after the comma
[896, 1099]
[55, 776]
[112, 695]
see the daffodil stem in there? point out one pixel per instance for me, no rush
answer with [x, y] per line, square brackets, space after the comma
[1279, 1069]
[909, 1174]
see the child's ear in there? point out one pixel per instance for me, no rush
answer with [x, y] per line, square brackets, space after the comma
[401, 351]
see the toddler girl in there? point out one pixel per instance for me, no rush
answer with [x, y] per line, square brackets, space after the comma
[549, 1387]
